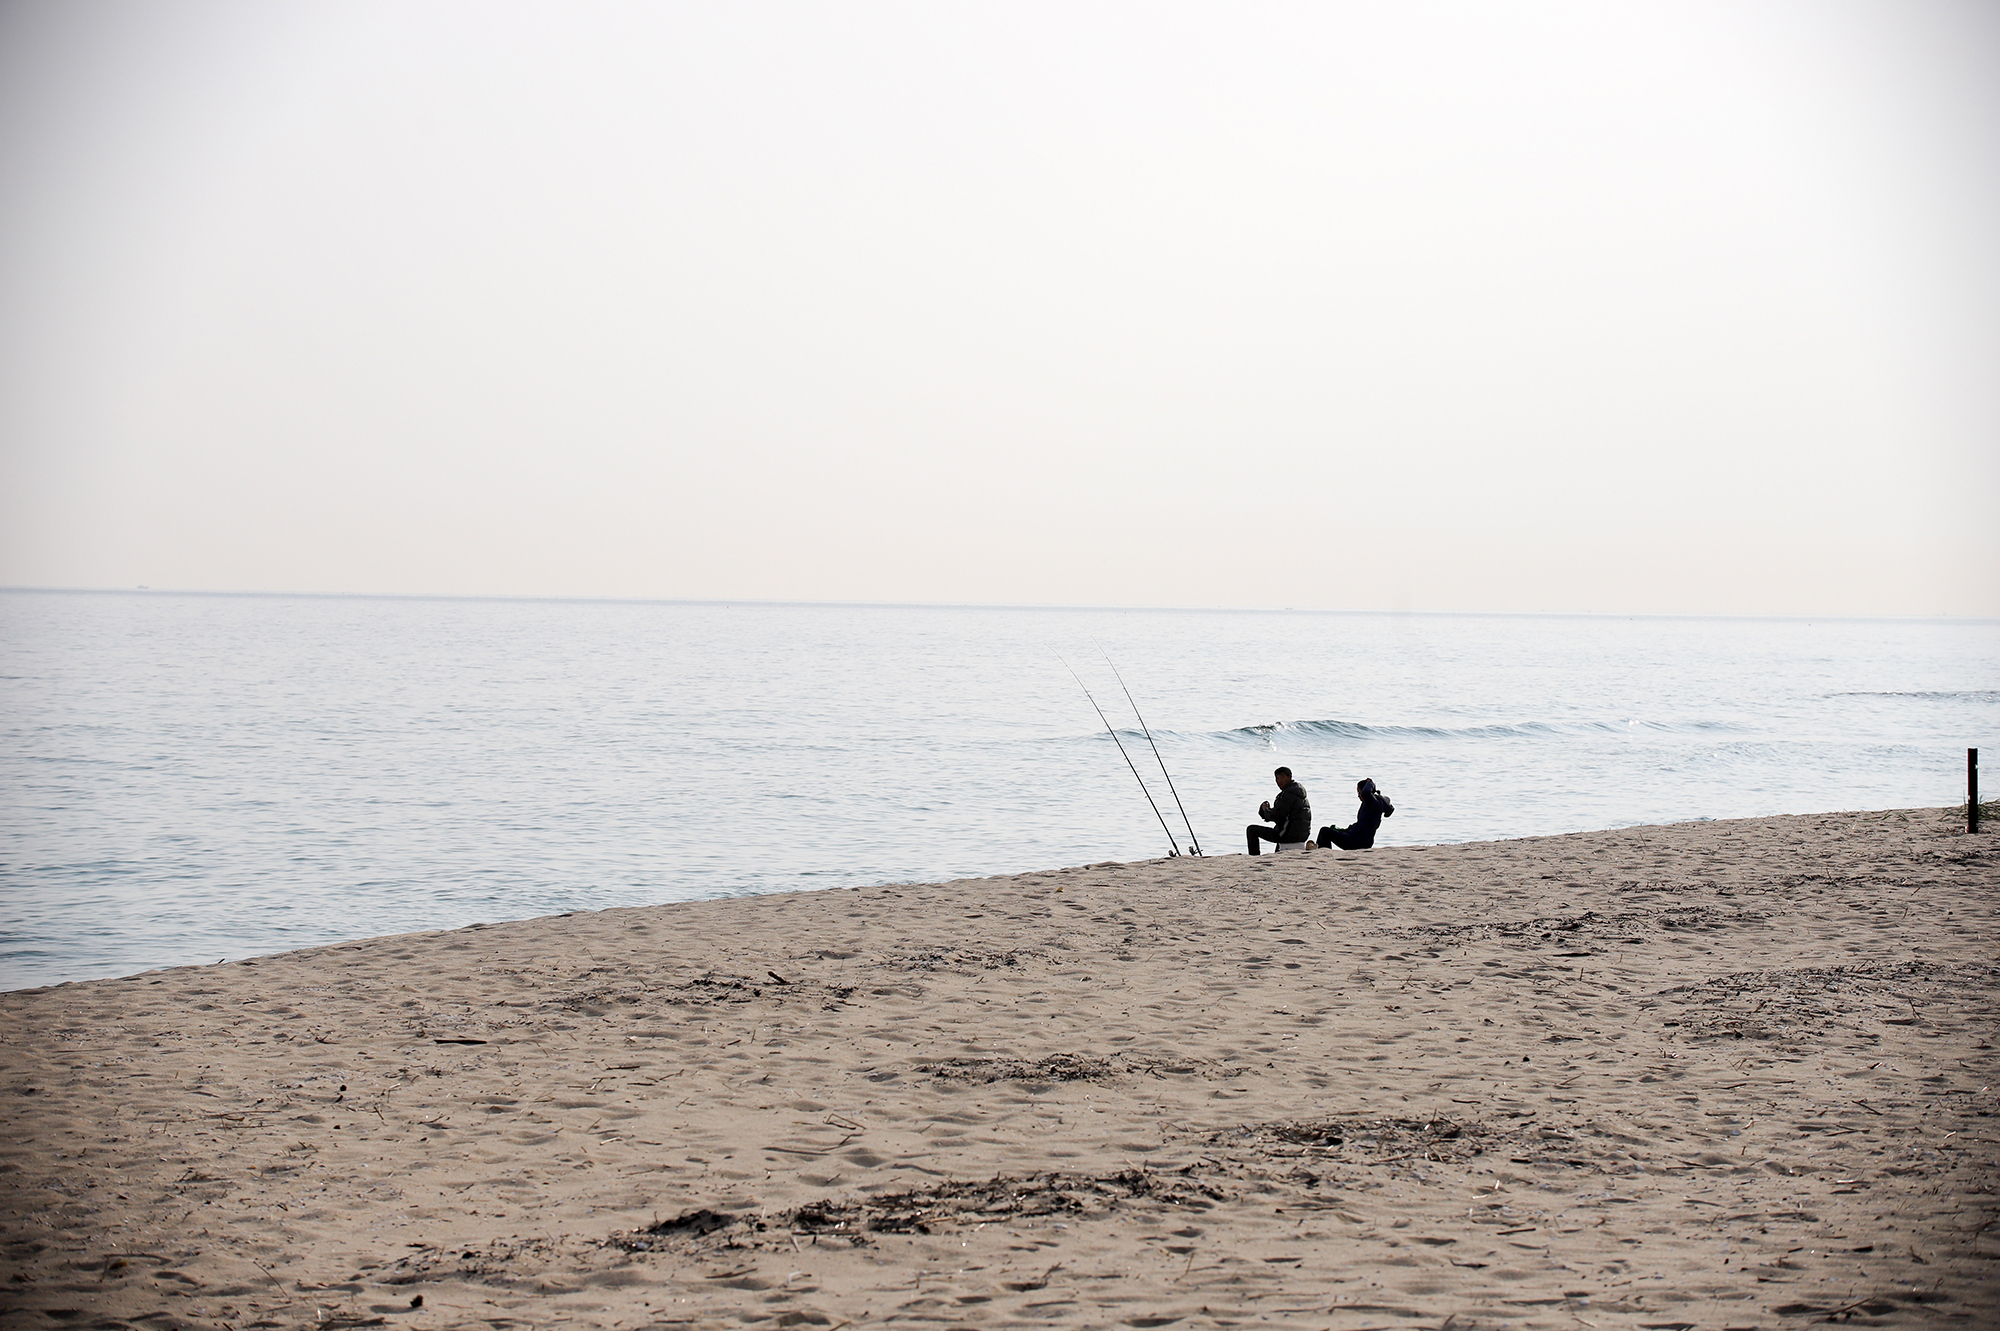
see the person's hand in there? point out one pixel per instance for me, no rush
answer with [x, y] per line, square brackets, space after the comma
[1265, 808]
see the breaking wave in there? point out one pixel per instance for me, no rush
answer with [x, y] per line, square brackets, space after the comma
[1940, 695]
[1355, 731]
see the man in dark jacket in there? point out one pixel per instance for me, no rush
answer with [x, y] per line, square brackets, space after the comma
[1374, 808]
[1292, 813]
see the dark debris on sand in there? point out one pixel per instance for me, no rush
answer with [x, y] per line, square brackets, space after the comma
[1365, 1140]
[1055, 1067]
[962, 960]
[1068, 1067]
[1806, 1000]
[932, 1209]
[1617, 927]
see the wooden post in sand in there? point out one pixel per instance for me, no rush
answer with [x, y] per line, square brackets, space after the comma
[1972, 790]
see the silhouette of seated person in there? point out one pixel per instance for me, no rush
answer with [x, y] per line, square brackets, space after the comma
[1375, 806]
[1292, 813]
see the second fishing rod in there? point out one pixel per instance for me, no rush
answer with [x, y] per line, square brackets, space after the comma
[1194, 845]
[1194, 842]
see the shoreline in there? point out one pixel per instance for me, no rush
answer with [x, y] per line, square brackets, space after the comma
[1723, 1073]
[175, 967]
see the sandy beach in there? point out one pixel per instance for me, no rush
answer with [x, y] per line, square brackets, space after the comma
[1709, 1075]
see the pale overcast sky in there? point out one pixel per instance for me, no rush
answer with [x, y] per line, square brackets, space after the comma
[1602, 306]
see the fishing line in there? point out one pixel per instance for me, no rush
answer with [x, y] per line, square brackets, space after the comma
[1193, 840]
[1176, 850]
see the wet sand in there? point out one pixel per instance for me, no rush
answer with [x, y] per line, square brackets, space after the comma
[1732, 1074]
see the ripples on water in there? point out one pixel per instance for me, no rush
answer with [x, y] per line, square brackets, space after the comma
[196, 777]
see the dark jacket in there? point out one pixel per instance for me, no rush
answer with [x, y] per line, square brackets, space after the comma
[1293, 813]
[1374, 805]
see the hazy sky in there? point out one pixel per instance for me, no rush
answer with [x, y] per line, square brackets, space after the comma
[1515, 306]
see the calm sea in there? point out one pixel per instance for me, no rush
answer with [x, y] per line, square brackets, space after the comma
[190, 778]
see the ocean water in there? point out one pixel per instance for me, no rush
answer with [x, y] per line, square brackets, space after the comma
[190, 778]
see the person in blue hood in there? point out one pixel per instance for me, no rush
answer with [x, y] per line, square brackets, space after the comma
[1375, 806]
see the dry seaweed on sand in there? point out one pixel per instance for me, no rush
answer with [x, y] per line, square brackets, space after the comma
[1066, 1067]
[1054, 1067]
[938, 1207]
[1798, 1001]
[1615, 926]
[1364, 1140]
[965, 960]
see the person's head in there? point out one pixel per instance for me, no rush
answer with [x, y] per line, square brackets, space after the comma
[1284, 776]
[1365, 787]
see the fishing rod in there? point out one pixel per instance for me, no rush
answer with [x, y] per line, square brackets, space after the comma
[1193, 840]
[1176, 850]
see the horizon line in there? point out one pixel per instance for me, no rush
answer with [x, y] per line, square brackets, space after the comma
[793, 603]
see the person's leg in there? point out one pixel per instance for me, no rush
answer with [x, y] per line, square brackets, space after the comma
[1346, 839]
[1325, 839]
[1256, 832]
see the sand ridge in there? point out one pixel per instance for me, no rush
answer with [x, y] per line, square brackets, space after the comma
[1723, 1074]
